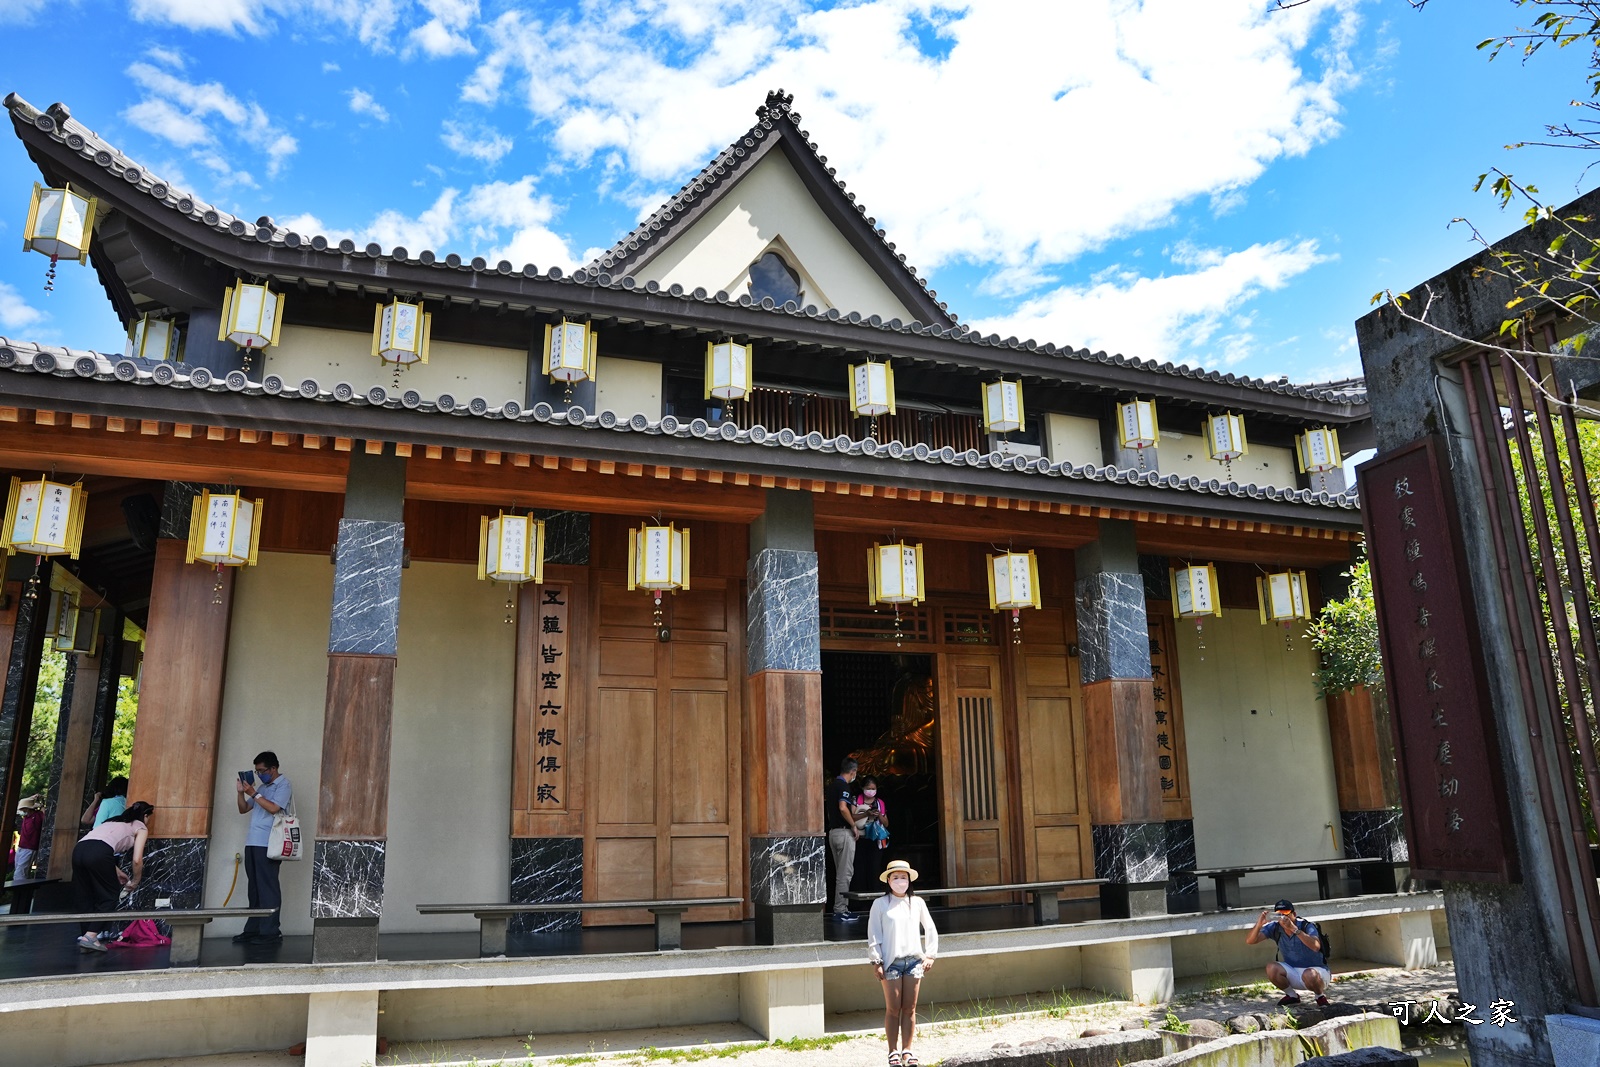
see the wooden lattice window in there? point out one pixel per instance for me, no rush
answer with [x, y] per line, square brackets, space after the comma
[976, 716]
[876, 624]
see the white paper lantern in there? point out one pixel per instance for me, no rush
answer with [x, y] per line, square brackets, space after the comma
[153, 338]
[511, 549]
[1225, 437]
[894, 574]
[1013, 581]
[401, 333]
[73, 627]
[1282, 597]
[1317, 450]
[729, 370]
[1194, 592]
[1002, 407]
[1136, 424]
[44, 518]
[658, 558]
[570, 349]
[224, 529]
[60, 223]
[252, 316]
[871, 389]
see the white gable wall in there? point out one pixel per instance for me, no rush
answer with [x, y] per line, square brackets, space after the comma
[771, 203]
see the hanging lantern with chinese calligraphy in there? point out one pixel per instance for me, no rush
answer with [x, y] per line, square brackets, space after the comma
[1014, 585]
[1137, 427]
[1194, 596]
[1317, 450]
[60, 224]
[1225, 439]
[1002, 407]
[511, 550]
[1282, 598]
[154, 339]
[252, 316]
[729, 370]
[44, 518]
[871, 389]
[73, 627]
[401, 333]
[224, 531]
[658, 560]
[570, 350]
[894, 576]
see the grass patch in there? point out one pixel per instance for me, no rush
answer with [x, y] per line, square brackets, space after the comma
[573, 1061]
[1175, 1024]
[651, 1054]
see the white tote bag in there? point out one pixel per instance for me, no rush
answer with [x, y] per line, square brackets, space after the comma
[285, 841]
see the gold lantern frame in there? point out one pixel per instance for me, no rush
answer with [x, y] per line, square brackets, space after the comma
[1013, 605]
[555, 368]
[1304, 450]
[72, 536]
[489, 544]
[738, 385]
[856, 399]
[143, 333]
[677, 563]
[383, 333]
[995, 395]
[233, 305]
[198, 519]
[32, 239]
[1178, 586]
[1236, 436]
[875, 574]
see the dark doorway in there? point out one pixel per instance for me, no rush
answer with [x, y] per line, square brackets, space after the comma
[881, 709]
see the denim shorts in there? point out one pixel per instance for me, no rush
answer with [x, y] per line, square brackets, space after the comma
[904, 967]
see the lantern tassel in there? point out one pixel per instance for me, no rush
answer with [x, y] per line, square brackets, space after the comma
[50, 275]
[216, 589]
[1016, 620]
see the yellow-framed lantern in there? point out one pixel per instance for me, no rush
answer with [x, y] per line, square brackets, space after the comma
[1194, 592]
[1317, 450]
[60, 223]
[153, 338]
[74, 628]
[1002, 407]
[570, 350]
[1136, 424]
[658, 560]
[871, 389]
[730, 370]
[511, 549]
[894, 574]
[1225, 437]
[224, 530]
[252, 316]
[401, 333]
[1014, 585]
[1282, 597]
[44, 518]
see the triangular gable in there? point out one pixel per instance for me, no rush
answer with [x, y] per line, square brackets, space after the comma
[771, 191]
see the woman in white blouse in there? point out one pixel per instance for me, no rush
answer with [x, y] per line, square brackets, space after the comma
[902, 944]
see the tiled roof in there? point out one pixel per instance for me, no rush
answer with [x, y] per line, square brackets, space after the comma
[58, 124]
[28, 358]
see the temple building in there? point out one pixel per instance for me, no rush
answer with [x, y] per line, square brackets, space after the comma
[556, 587]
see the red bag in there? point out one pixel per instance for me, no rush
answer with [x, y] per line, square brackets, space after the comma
[142, 933]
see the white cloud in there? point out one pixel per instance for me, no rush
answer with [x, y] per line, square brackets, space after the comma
[486, 143]
[329, 67]
[170, 56]
[1195, 314]
[15, 312]
[180, 112]
[1109, 117]
[372, 21]
[362, 103]
[19, 12]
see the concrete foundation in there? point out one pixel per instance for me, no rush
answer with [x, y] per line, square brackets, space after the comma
[342, 1028]
[1403, 940]
[1574, 1040]
[1141, 971]
[782, 1004]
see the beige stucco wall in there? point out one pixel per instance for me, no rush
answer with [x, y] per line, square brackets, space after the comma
[1262, 465]
[1262, 783]
[771, 203]
[450, 761]
[627, 386]
[153, 1030]
[463, 371]
[1073, 439]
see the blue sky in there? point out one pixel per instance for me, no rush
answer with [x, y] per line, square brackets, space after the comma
[1213, 183]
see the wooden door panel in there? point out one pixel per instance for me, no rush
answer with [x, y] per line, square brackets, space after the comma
[627, 659]
[697, 660]
[625, 746]
[1059, 852]
[699, 867]
[1052, 756]
[621, 606]
[981, 849]
[973, 770]
[1045, 671]
[699, 757]
[700, 609]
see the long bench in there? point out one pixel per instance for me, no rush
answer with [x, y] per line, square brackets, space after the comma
[1046, 895]
[187, 925]
[493, 919]
[1227, 878]
[22, 890]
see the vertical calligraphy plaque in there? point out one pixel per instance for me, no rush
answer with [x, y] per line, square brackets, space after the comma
[551, 668]
[1165, 706]
[1458, 822]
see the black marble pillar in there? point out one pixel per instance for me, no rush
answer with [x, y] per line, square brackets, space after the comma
[566, 536]
[1183, 891]
[107, 687]
[546, 870]
[366, 587]
[16, 703]
[177, 504]
[175, 870]
[783, 628]
[788, 883]
[1113, 635]
[1381, 835]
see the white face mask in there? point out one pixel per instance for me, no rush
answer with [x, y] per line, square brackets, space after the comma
[898, 884]
[869, 793]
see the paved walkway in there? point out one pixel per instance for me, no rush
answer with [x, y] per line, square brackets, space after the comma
[857, 1038]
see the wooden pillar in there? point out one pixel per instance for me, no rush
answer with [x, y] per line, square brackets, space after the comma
[783, 729]
[353, 814]
[174, 761]
[1371, 823]
[70, 765]
[1125, 811]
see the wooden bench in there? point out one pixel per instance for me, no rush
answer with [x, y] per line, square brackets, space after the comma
[22, 891]
[493, 919]
[1227, 878]
[1046, 895]
[187, 926]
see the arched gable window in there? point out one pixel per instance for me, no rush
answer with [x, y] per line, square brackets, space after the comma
[771, 276]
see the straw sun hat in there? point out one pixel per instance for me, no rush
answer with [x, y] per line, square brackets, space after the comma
[898, 867]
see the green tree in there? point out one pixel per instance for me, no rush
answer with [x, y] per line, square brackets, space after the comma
[42, 731]
[122, 731]
[1345, 635]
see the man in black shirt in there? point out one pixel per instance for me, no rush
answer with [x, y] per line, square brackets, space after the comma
[842, 837]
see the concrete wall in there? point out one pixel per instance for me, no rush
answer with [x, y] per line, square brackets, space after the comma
[463, 371]
[1260, 763]
[957, 978]
[450, 765]
[627, 386]
[771, 204]
[1184, 453]
[273, 697]
[1201, 954]
[1073, 439]
[136, 1029]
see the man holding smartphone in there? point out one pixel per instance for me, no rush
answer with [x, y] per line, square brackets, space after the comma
[1301, 963]
[261, 802]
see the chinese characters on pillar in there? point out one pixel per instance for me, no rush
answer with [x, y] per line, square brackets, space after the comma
[1165, 704]
[1456, 814]
[550, 724]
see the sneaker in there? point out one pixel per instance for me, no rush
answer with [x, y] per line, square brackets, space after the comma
[1322, 1001]
[265, 939]
[1288, 998]
[90, 944]
[242, 939]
